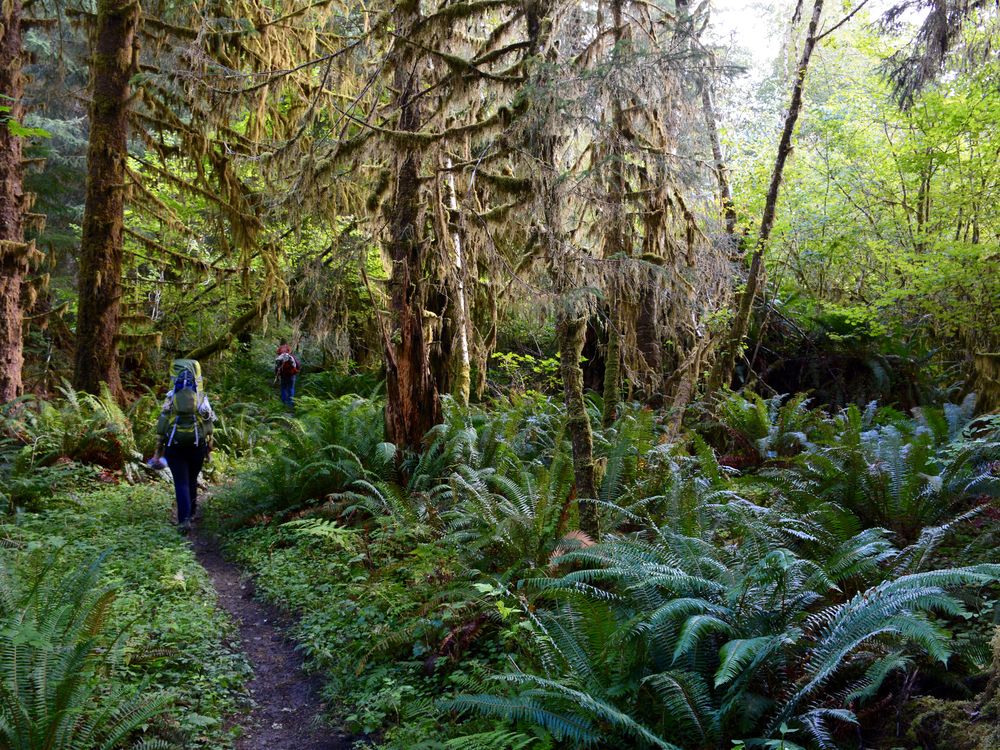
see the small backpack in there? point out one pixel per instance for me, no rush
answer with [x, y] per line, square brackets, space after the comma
[183, 425]
[286, 364]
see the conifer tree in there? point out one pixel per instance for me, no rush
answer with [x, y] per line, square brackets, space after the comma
[174, 107]
[113, 64]
[418, 103]
[13, 250]
[16, 216]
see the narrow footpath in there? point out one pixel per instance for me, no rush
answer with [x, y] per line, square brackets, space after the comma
[287, 712]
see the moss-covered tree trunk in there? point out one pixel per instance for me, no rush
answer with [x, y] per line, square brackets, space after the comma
[571, 332]
[462, 384]
[612, 375]
[13, 250]
[99, 284]
[412, 404]
[618, 239]
[721, 168]
[571, 322]
[647, 335]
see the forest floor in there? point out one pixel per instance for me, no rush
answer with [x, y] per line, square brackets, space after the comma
[286, 712]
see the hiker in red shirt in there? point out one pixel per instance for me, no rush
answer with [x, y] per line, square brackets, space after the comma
[286, 367]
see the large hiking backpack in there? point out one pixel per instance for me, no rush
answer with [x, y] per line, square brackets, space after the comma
[286, 365]
[179, 366]
[184, 424]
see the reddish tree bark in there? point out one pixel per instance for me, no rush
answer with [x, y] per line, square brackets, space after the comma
[412, 403]
[99, 284]
[13, 250]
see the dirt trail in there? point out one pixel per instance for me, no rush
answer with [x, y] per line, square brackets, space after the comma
[287, 712]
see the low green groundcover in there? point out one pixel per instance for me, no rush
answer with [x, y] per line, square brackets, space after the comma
[178, 642]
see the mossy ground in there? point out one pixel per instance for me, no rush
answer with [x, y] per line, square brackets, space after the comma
[937, 724]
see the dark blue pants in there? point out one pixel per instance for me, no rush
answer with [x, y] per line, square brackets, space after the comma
[185, 464]
[288, 390]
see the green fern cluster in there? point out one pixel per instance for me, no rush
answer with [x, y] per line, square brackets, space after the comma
[729, 602]
[43, 443]
[333, 445]
[900, 477]
[679, 638]
[56, 662]
[730, 607]
[758, 429]
[245, 429]
[79, 426]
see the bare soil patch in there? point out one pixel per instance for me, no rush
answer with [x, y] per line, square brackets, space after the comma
[287, 713]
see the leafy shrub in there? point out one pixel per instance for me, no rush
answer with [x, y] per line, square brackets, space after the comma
[79, 427]
[523, 372]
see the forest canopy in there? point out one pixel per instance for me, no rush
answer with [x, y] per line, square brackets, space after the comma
[794, 199]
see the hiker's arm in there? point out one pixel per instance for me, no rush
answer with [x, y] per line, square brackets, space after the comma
[205, 409]
[162, 426]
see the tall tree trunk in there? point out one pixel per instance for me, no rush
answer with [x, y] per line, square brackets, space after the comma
[571, 331]
[13, 250]
[571, 323]
[100, 288]
[612, 375]
[463, 369]
[647, 335]
[412, 404]
[618, 240]
[723, 371]
[721, 169]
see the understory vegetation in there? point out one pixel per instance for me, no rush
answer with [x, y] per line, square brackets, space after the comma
[448, 600]
[773, 575]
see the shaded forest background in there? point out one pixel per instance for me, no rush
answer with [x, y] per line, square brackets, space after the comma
[447, 189]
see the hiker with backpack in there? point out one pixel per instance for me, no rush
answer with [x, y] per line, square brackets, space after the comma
[185, 436]
[286, 368]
